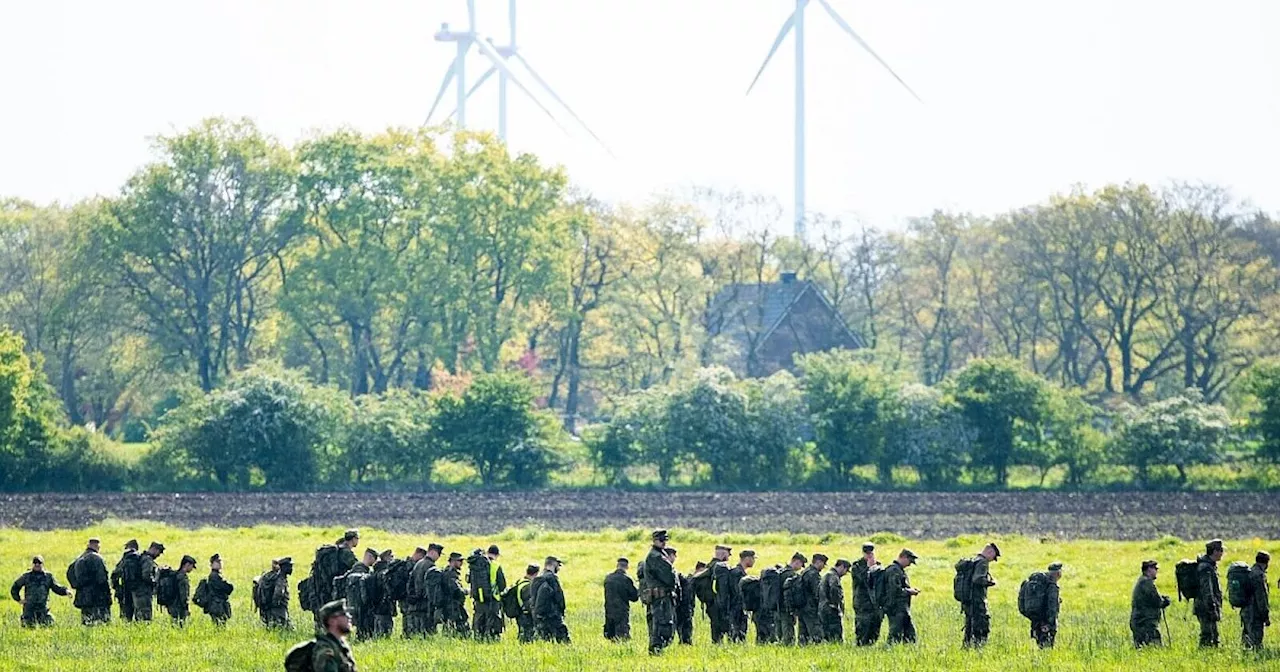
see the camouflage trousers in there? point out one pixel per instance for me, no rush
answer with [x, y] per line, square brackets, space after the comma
[487, 622]
[721, 625]
[684, 627]
[809, 630]
[95, 615]
[832, 625]
[902, 630]
[786, 627]
[552, 628]
[36, 615]
[1045, 634]
[179, 613]
[617, 627]
[1252, 630]
[866, 627]
[141, 599]
[383, 625]
[739, 631]
[417, 622]
[276, 617]
[1208, 632]
[454, 622]
[220, 613]
[766, 626]
[662, 620]
[125, 600]
[977, 624]
[1145, 633]
[527, 631]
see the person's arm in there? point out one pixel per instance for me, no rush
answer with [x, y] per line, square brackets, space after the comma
[1055, 602]
[56, 587]
[633, 593]
[1207, 588]
[1261, 603]
[502, 584]
[15, 591]
[982, 573]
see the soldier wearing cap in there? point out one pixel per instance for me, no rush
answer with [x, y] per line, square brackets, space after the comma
[1044, 629]
[382, 607]
[217, 600]
[454, 599]
[897, 606]
[525, 628]
[619, 592]
[1208, 601]
[35, 587]
[350, 586]
[977, 616]
[866, 617]
[180, 608]
[808, 620]
[488, 583]
[88, 577]
[737, 612]
[719, 611]
[831, 602]
[420, 604]
[548, 603]
[786, 632]
[123, 578]
[1146, 606]
[1256, 614]
[685, 599]
[660, 584]
[274, 586]
[145, 590]
[330, 651]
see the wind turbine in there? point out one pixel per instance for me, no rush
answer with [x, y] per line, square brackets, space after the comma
[796, 21]
[500, 58]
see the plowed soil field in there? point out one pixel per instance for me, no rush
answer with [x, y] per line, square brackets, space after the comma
[1121, 516]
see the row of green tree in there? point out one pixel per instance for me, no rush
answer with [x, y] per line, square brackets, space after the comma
[390, 261]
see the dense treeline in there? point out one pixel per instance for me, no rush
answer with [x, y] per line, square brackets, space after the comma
[400, 267]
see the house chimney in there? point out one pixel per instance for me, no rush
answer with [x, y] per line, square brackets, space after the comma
[788, 277]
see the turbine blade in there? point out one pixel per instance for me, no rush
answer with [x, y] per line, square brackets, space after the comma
[479, 82]
[777, 42]
[501, 64]
[844, 25]
[444, 87]
[547, 87]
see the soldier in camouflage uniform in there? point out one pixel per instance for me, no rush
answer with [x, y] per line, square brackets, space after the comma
[525, 627]
[453, 598]
[92, 586]
[1208, 602]
[866, 617]
[619, 592]
[977, 616]
[120, 582]
[1256, 614]
[352, 588]
[180, 608]
[331, 652]
[548, 603]
[718, 611]
[897, 607]
[1146, 607]
[766, 617]
[145, 591]
[35, 586]
[420, 607]
[660, 579]
[686, 600]
[383, 608]
[275, 585]
[807, 617]
[786, 615]
[486, 601]
[737, 613]
[831, 602]
[219, 592]
[1046, 632]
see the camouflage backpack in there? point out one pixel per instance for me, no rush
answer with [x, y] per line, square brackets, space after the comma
[704, 586]
[750, 588]
[73, 579]
[132, 569]
[962, 584]
[324, 568]
[1238, 585]
[351, 587]
[167, 587]
[397, 580]
[307, 598]
[793, 593]
[511, 607]
[1188, 583]
[478, 578]
[1033, 595]
[298, 659]
[771, 587]
[878, 587]
[262, 592]
[201, 597]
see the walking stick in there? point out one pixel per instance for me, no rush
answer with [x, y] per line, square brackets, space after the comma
[1168, 640]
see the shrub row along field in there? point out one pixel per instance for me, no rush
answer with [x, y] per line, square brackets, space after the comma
[1120, 516]
[1093, 627]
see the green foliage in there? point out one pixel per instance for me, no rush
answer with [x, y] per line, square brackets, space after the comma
[27, 415]
[1179, 431]
[389, 438]
[1007, 406]
[926, 431]
[265, 424]
[1264, 384]
[492, 425]
[850, 401]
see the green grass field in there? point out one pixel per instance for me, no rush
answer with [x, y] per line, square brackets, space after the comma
[1093, 629]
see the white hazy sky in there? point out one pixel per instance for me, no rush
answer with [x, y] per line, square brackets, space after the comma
[1023, 98]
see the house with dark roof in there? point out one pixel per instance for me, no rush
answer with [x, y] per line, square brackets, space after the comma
[757, 329]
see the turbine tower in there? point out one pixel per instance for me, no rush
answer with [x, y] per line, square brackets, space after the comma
[500, 59]
[796, 22]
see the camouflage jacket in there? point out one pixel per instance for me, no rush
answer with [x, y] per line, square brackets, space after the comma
[981, 580]
[619, 592]
[1209, 600]
[1145, 608]
[1259, 606]
[95, 586]
[658, 572]
[332, 655]
[831, 595]
[548, 602]
[898, 597]
[860, 572]
[38, 585]
[811, 579]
